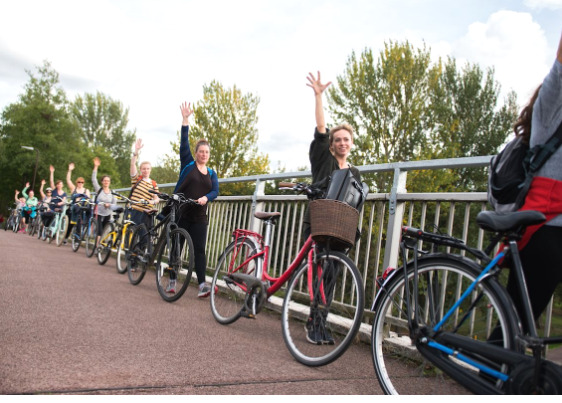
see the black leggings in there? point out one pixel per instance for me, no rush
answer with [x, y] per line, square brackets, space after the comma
[102, 220]
[542, 265]
[198, 233]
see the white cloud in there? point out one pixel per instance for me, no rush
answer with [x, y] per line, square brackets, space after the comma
[548, 4]
[514, 45]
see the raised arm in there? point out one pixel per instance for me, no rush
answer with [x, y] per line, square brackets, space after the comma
[95, 175]
[134, 158]
[41, 189]
[319, 88]
[52, 176]
[185, 152]
[16, 198]
[24, 191]
[68, 177]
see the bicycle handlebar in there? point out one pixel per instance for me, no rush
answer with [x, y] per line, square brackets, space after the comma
[176, 197]
[310, 190]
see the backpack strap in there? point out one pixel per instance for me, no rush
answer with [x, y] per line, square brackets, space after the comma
[541, 153]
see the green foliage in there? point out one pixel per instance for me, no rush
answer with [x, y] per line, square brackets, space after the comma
[227, 119]
[39, 119]
[103, 123]
[404, 107]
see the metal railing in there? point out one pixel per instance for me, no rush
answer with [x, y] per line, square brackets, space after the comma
[380, 220]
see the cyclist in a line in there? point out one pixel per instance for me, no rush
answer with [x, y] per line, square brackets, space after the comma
[198, 182]
[78, 193]
[20, 204]
[141, 185]
[59, 195]
[328, 152]
[47, 203]
[30, 208]
[541, 255]
[107, 202]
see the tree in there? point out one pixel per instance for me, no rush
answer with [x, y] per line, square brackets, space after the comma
[103, 123]
[39, 119]
[227, 119]
[386, 103]
[403, 108]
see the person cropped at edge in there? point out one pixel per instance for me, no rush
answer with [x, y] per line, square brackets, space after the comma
[329, 148]
[540, 251]
[107, 202]
[78, 193]
[141, 185]
[198, 182]
[328, 152]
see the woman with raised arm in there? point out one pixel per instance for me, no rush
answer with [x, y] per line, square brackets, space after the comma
[78, 193]
[106, 200]
[200, 183]
[47, 203]
[30, 208]
[328, 152]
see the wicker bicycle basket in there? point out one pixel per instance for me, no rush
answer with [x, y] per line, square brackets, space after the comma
[333, 221]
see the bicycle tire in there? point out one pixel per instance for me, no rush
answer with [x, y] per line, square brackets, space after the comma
[227, 296]
[121, 261]
[336, 312]
[105, 243]
[91, 236]
[399, 365]
[136, 264]
[61, 232]
[177, 262]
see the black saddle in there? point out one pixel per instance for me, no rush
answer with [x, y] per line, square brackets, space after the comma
[508, 222]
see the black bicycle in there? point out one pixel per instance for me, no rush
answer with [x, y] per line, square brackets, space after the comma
[166, 245]
[444, 320]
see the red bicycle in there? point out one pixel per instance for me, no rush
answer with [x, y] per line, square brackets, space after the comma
[322, 304]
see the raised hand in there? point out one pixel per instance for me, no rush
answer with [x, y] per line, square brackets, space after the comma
[51, 168]
[43, 181]
[96, 162]
[138, 146]
[71, 166]
[316, 83]
[186, 110]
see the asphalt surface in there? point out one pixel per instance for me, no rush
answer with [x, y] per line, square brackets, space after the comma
[71, 326]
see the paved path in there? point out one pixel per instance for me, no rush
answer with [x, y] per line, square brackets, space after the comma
[69, 325]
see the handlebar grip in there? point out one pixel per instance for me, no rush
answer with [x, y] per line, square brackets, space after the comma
[153, 192]
[287, 184]
[411, 231]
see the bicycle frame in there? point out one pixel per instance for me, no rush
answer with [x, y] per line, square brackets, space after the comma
[440, 340]
[263, 257]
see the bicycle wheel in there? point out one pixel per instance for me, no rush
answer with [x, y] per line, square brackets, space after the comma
[123, 248]
[91, 235]
[137, 259]
[61, 232]
[227, 295]
[174, 265]
[399, 365]
[105, 243]
[322, 309]
[51, 231]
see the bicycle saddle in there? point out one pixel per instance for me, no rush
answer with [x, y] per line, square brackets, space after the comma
[506, 222]
[267, 216]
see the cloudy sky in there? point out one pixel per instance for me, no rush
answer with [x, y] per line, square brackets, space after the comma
[153, 55]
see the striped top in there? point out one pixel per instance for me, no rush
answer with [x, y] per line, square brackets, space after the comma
[141, 192]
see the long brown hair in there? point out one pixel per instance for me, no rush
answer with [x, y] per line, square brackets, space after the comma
[522, 126]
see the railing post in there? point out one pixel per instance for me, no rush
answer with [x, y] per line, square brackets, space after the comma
[257, 206]
[395, 216]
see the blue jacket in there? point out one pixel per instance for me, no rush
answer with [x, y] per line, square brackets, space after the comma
[188, 163]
